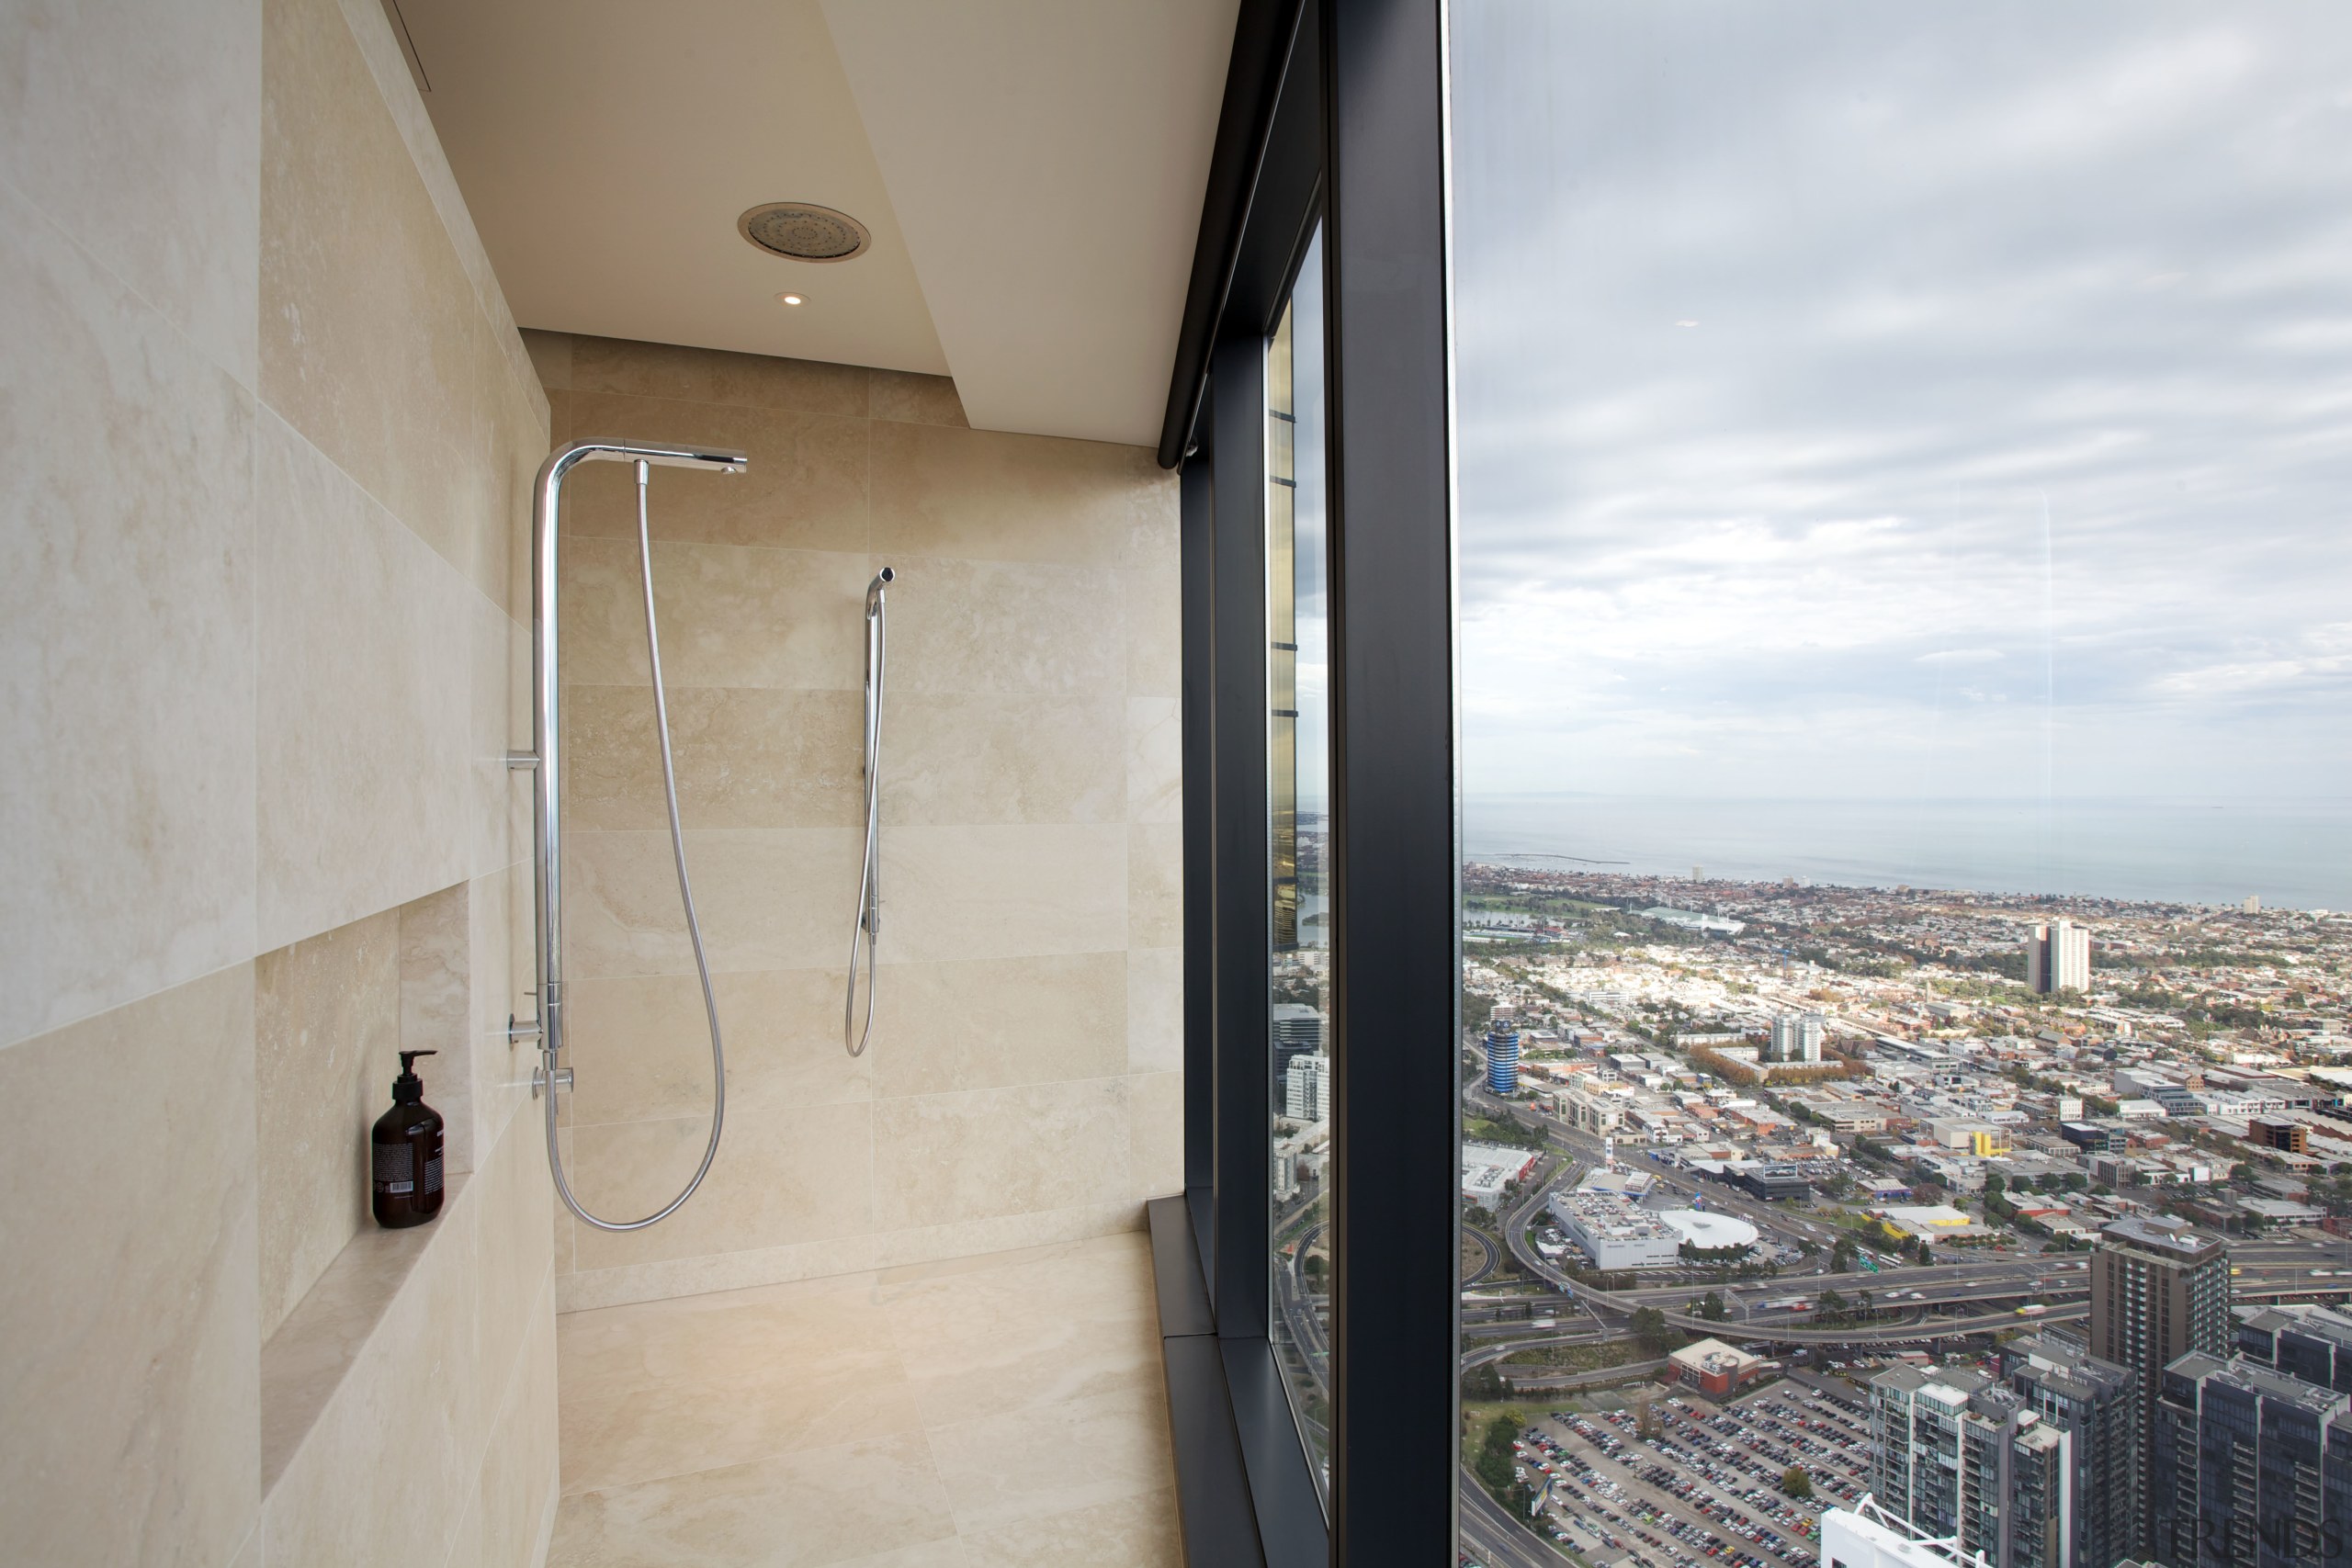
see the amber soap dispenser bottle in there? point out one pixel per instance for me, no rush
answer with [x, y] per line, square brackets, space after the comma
[408, 1152]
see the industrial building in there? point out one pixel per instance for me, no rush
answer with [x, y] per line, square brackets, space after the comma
[1712, 1367]
[1615, 1233]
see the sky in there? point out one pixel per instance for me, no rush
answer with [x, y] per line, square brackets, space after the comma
[1904, 400]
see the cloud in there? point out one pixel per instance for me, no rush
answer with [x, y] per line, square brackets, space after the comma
[2018, 433]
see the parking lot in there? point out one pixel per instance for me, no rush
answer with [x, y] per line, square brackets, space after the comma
[1705, 1488]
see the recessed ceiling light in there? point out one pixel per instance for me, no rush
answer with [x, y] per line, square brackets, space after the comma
[787, 299]
[800, 231]
[1686, 323]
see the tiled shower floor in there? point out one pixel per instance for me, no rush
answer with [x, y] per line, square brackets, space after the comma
[982, 1413]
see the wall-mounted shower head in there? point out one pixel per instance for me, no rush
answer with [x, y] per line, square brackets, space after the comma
[874, 590]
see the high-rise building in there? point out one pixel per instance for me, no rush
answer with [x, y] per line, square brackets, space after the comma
[1306, 1090]
[1956, 1455]
[1296, 1029]
[1502, 1060]
[2249, 1467]
[2160, 1289]
[2058, 958]
[1796, 1037]
[2304, 1340]
[2095, 1404]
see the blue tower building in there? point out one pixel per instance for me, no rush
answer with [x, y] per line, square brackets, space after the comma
[1502, 1060]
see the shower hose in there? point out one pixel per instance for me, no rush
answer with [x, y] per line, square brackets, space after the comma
[693, 925]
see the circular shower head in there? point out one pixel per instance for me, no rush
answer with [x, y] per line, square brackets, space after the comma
[798, 231]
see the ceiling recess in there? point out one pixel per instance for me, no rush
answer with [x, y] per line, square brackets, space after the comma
[800, 231]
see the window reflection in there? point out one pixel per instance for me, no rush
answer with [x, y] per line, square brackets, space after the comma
[1298, 827]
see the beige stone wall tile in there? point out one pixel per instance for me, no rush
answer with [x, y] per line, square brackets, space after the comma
[1156, 1134]
[982, 494]
[640, 1047]
[417, 1391]
[746, 757]
[513, 1197]
[669, 1277]
[805, 487]
[1155, 633]
[962, 1239]
[137, 127]
[1155, 1009]
[1002, 892]
[715, 376]
[327, 1038]
[769, 898]
[1140, 1531]
[914, 399]
[781, 1177]
[992, 1023]
[1155, 884]
[1155, 761]
[365, 729]
[992, 626]
[825, 1506]
[372, 29]
[372, 340]
[550, 360]
[499, 977]
[970, 758]
[126, 624]
[128, 1307]
[515, 1509]
[940, 1159]
[1008, 1469]
[730, 616]
[498, 804]
[437, 1014]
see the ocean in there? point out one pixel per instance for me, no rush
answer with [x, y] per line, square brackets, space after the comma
[2290, 853]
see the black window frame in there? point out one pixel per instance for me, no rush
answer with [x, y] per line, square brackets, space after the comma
[1334, 113]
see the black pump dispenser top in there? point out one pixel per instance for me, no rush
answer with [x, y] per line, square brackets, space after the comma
[407, 1089]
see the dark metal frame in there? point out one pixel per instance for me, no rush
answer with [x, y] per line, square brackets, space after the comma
[1334, 111]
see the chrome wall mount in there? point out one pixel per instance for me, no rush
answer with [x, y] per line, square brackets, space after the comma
[544, 762]
[866, 929]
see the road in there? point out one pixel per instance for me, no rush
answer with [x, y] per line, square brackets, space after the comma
[1491, 1537]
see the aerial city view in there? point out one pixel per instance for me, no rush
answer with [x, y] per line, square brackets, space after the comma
[1762, 1181]
[1907, 891]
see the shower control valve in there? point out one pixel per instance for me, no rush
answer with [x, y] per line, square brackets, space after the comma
[540, 1079]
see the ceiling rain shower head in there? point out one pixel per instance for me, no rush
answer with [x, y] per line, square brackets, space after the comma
[798, 231]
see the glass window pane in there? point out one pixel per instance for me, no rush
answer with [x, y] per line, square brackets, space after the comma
[1298, 823]
[1903, 460]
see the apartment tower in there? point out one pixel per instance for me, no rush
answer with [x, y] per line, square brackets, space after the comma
[2058, 958]
[2160, 1289]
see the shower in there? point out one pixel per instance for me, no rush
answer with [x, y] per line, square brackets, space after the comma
[866, 927]
[544, 759]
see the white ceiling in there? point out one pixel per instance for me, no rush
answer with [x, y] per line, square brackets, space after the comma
[1032, 171]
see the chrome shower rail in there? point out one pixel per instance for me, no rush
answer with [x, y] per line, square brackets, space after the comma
[868, 927]
[545, 760]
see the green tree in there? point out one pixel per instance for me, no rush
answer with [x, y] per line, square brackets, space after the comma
[1651, 1329]
[1833, 1306]
[1496, 1460]
[1797, 1483]
[1711, 1306]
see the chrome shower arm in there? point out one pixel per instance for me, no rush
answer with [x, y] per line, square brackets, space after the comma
[545, 762]
[866, 929]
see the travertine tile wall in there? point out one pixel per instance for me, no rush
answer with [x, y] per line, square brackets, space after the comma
[268, 436]
[1023, 1083]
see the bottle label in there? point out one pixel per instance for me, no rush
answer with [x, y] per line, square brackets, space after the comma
[393, 1169]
